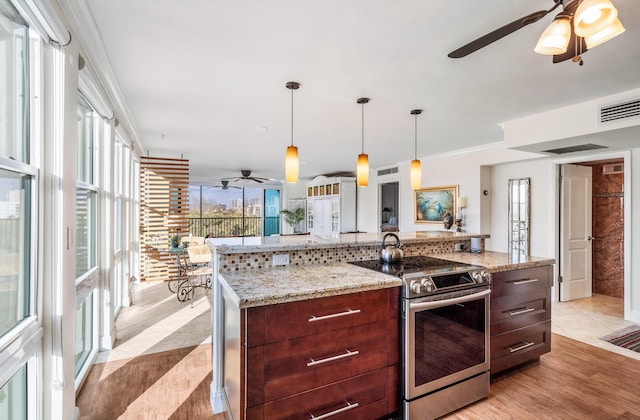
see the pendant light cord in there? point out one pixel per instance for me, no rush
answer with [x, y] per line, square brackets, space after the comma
[292, 117]
[363, 128]
[416, 137]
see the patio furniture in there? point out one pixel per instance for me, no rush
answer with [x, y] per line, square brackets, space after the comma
[199, 272]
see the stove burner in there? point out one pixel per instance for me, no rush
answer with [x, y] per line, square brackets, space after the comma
[423, 275]
[421, 264]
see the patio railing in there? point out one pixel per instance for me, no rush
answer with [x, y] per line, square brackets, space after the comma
[219, 227]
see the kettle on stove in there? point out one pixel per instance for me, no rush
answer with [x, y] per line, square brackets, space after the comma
[391, 253]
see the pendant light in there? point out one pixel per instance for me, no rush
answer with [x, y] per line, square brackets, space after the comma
[362, 172]
[291, 163]
[416, 167]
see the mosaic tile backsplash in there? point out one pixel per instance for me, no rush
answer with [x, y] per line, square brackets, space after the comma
[261, 260]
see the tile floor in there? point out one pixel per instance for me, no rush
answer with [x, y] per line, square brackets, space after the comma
[588, 319]
[157, 321]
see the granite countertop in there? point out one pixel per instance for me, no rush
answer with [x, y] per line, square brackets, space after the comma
[292, 283]
[496, 261]
[341, 240]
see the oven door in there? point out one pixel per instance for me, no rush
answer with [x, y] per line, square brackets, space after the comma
[446, 340]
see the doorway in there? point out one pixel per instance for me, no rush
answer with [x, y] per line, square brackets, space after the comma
[389, 201]
[607, 308]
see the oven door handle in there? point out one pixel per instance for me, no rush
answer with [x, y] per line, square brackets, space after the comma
[445, 302]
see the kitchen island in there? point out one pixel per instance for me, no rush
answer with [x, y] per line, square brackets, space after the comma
[255, 371]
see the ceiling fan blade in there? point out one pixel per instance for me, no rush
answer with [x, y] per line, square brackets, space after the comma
[499, 33]
[258, 180]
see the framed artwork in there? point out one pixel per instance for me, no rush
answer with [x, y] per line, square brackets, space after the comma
[433, 203]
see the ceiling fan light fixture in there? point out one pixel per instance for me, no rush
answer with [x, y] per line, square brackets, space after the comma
[291, 162]
[362, 169]
[415, 171]
[605, 35]
[555, 38]
[592, 16]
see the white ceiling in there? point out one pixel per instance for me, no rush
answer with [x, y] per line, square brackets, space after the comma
[206, 79]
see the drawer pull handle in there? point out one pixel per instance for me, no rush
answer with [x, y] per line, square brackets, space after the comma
[332, 358]
[525, 281]
[348, 407]
[523, 346]
[521, 311]
[339, 314]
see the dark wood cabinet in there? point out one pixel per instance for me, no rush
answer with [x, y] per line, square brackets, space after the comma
[520, 316]
[335, 355]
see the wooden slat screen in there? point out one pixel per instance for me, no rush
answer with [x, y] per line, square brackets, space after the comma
[164, 212]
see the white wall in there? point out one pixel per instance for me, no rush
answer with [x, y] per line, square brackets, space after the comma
[463, 168]
[543, 217]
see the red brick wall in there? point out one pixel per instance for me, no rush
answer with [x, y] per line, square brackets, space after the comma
[608, 230]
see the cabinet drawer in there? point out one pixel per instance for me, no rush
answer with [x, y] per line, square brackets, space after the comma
[525, 280]
[518, 346]
[362, 397]
[297, 319]
[304, 363]
[517, 311]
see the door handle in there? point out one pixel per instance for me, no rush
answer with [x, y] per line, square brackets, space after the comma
[590, 238]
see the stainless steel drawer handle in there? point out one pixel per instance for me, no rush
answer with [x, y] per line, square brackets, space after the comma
[332, 358]
[339, 314]
[523, 346]
[348, 407]
[521, 311]
[525, 281]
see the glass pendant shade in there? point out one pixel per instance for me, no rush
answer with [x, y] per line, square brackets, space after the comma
[593, 16]
[416, 174]
[291, 165]
[555, 39]
[362, 171]
[605, 35]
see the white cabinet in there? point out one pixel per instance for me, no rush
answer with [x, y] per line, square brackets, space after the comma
[331, 205]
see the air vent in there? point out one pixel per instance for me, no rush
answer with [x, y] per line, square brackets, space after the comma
[621, 111]
[614, 168]
[571, 149]
[388, 171]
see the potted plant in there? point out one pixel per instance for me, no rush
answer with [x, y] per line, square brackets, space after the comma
[293, 218]
[174, 242]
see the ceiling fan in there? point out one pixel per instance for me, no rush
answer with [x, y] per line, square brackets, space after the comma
[225, 185]
[246, 176]
[577, 44]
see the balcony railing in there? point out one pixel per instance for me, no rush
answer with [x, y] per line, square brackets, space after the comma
[223, 227]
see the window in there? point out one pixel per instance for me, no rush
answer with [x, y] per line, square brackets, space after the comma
[13, 396]
[15, 224]
[19, 322]
[14, 78]
[84, 332]
[519, 197]
[86, 238]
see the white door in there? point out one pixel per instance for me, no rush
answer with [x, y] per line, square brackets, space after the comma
[575, 232]
[322, 217]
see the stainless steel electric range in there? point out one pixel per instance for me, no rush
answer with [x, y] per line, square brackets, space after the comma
[445, 317]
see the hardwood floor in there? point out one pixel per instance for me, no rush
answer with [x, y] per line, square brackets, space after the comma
[574, 381]
[172, 384]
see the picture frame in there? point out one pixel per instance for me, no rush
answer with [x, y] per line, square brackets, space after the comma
[433, 203]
